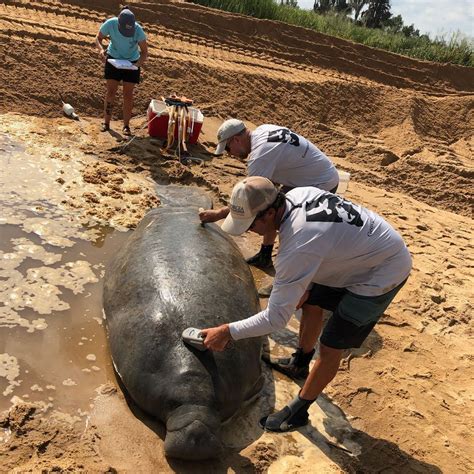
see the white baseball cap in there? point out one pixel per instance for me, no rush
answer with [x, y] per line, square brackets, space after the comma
[249, 197]
[228, 129]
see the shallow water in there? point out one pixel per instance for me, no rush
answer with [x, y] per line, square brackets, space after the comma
[53, 347]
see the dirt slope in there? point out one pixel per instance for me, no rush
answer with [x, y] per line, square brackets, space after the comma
[343, 96]
[403, 128]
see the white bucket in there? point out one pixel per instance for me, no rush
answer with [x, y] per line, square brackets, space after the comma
[344, 178]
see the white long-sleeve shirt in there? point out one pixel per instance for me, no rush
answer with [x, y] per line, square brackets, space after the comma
[332, 242]
[287, 158]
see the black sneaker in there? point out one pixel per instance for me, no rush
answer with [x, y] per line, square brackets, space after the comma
[261, 260]
[296, 367]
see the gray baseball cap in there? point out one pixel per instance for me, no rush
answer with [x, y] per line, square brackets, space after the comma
[228, 129]
[126, 23]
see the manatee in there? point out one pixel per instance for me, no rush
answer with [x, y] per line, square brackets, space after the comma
[171, 274]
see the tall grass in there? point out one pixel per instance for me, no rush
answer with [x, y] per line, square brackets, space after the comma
[456, 50]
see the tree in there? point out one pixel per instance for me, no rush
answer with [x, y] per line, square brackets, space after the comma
[322, 6]
[377, 13]
[357, 6]
[410, 31]
[325, 6]
[395, 24]
[289, 3]
[341, 6]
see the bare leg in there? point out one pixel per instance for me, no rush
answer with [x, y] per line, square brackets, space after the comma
[310, 327]
[127, 102]
[323, 371]
[112, 87]
[297, 366]
[295, 414]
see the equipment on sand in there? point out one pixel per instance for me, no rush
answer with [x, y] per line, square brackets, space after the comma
[68, 110]
[170, 119]
[178, 122]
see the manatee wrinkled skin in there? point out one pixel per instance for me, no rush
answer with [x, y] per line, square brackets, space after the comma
[172, 274]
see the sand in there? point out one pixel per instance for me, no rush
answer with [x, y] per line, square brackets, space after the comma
[402, 128]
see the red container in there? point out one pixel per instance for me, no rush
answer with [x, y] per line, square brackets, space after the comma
[157, 115]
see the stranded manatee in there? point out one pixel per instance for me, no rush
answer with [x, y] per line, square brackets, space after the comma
[171, 274]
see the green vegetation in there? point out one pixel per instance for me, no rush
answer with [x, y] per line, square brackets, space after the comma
[457, 50]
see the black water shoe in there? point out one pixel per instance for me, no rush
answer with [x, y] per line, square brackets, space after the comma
[296, 367]
[263, 259]
[291, 417]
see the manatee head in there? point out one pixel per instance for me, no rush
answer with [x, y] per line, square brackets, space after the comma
[193, 433]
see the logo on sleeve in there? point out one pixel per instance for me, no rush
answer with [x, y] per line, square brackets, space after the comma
[331, 208]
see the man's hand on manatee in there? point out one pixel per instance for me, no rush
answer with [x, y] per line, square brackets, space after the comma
[217, 339]
[213, 215]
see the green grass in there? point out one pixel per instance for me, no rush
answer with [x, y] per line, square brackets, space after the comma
[456, 50]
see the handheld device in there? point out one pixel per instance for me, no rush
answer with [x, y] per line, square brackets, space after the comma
[194, 338]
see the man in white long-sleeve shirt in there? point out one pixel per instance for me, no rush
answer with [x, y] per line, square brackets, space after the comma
[282, 156]
[333, 255]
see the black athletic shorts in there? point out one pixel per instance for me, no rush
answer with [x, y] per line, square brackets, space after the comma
[354, 316]
[125, 75]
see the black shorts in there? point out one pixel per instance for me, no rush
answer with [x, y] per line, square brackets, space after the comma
[125, 75]
[354, 316]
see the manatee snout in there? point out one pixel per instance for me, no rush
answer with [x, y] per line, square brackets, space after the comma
[193, 433]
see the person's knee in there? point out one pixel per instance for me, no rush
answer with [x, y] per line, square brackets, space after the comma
[112, 86]
[128, 93]
[111, 93]
[329, 353]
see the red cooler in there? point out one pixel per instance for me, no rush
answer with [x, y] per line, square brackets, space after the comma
[158, 121]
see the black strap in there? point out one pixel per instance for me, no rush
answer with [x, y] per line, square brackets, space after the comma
[292, 208]
[177, 102]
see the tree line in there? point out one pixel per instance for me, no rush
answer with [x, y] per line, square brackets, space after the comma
[368, 13]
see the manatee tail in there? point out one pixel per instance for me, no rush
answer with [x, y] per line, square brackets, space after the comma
[193, 433]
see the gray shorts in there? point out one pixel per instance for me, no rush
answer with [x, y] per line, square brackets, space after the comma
[354, 316]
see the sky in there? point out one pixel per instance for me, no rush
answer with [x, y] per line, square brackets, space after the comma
[433, 17]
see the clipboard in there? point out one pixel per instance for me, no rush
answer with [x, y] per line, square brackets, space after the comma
[122, 64]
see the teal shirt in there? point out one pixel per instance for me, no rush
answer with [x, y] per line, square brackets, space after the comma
[121, 47]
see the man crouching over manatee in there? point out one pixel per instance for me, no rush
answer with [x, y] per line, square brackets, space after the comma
[333, 255]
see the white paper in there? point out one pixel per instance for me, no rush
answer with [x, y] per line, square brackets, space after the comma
[122, 64]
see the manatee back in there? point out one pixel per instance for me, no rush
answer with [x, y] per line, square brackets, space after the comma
[171, 274]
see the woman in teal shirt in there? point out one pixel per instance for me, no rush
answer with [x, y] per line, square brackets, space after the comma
[127, 41]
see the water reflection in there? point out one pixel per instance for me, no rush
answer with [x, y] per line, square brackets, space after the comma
[53, 348]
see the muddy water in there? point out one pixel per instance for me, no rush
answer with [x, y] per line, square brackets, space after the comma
[53, 348]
